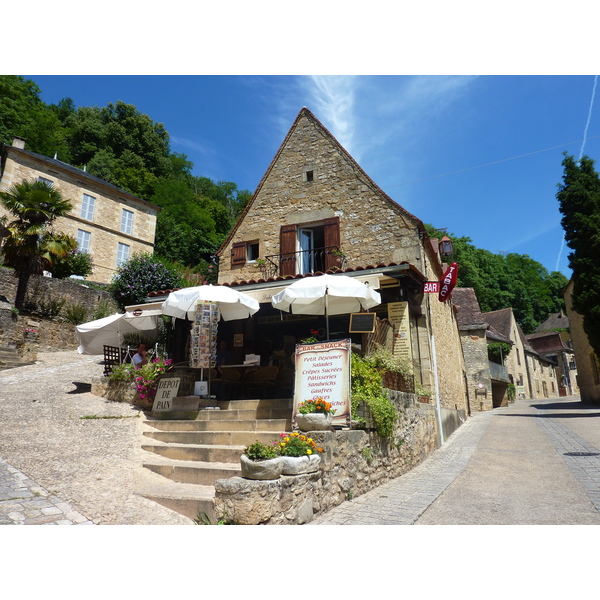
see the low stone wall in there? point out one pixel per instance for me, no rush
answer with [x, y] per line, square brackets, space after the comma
[353, 463]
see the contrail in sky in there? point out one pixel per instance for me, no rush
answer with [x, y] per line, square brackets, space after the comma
[562, 243]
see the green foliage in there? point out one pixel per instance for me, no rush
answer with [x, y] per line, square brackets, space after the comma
[512, 280]
[75, 263]
[296, 444]
[579, 203]
[45, 307]
[511, 391]
[367, 387]
[31, 245]
[133, 340]
[383, 359]
[497, 351]
[140, 275]
[103, 309]
[260, 451]
[124, 372]
[75, 313]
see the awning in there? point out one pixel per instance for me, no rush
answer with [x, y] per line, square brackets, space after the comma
[152, 309]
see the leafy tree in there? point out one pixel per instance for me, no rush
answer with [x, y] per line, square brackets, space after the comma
[515, 280]
[579, 203]
[30, 245]
[140, 275]
[23, 114]
[76, 263]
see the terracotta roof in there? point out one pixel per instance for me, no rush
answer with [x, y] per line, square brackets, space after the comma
[349, 270]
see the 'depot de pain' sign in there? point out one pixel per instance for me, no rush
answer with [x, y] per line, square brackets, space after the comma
[166, 390]
[323, 371]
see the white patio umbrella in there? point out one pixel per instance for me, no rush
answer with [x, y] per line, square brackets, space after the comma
[326, 295]
[93, 336]
[232, 304]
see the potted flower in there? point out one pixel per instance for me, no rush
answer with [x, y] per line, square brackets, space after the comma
[261, 461]
[314, 415]
[146, 380]
[299, 453]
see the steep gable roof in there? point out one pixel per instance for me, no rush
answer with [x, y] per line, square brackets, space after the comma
[305, 113]
[556, 321]
[469, 312]
[500, 320]
[547, 341]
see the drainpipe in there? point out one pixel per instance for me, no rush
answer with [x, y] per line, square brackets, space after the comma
[437, 390]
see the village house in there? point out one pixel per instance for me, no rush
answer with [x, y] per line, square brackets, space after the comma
[533, 375]
[108, 222]
[488, 379]
[314, 211]
[588, 363]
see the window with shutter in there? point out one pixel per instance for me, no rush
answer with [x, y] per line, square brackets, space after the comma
[287, 249]
[331, 234]
[238, 253]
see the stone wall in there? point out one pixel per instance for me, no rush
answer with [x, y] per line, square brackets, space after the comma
[353, 463]
[474, 346]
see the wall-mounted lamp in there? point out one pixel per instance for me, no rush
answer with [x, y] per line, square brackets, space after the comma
[446, 246]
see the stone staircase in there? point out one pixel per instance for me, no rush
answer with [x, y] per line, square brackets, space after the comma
[10, 358]
[184, 458]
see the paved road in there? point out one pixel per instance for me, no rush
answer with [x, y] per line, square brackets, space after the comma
[534, 462]
[68, 457]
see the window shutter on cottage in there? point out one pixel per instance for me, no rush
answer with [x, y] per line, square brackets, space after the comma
[331, 234]
[238, 253]
[287, 249]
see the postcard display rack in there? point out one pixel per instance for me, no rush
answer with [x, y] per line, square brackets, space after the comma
[204, 338]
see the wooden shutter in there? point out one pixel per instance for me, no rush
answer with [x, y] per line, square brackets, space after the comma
[238, 253]
[331, 237]
[287, 250]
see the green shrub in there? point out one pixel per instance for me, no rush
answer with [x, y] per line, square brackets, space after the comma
[75, 314]
[367, 387]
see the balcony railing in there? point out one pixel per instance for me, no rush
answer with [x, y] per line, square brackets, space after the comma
[499, 372]
[304, 261]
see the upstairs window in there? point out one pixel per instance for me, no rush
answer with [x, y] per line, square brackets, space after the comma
[48, 181]
[122, 254]
[83, 240]
[87, 207]
[252, 251]
[126, 221]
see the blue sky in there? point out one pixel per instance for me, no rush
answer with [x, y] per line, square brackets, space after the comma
[479, 155]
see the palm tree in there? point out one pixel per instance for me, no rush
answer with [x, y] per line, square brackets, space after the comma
[30, 245]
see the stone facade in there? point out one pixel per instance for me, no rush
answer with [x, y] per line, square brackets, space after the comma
[104, 225]
[353, 463]
[313, 187]
[588, 363]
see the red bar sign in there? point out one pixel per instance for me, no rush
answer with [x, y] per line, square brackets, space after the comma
[431, 287]
[448, 282]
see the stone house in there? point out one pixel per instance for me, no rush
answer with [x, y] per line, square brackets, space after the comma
[588, 363]
[551, 346]
[315, 210]
[487, 380]
[108, 222]
[533, 375]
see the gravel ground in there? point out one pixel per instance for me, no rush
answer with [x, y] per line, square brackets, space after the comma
[56, 432]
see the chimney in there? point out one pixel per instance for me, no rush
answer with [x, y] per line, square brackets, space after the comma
[19, 142]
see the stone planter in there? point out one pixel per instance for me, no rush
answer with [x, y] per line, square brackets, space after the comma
[296, 465]
[261, 469]
[314, 421]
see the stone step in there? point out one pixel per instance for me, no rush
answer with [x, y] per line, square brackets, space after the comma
[213, 438]
[187, 499]
[256, 404]
[276, 425]
[197, 452]
[193, 471]
[244, 414]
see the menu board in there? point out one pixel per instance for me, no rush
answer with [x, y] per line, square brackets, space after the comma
[203, 338]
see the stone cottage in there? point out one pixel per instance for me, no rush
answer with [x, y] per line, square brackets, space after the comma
[315, 210]
[108, 222]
